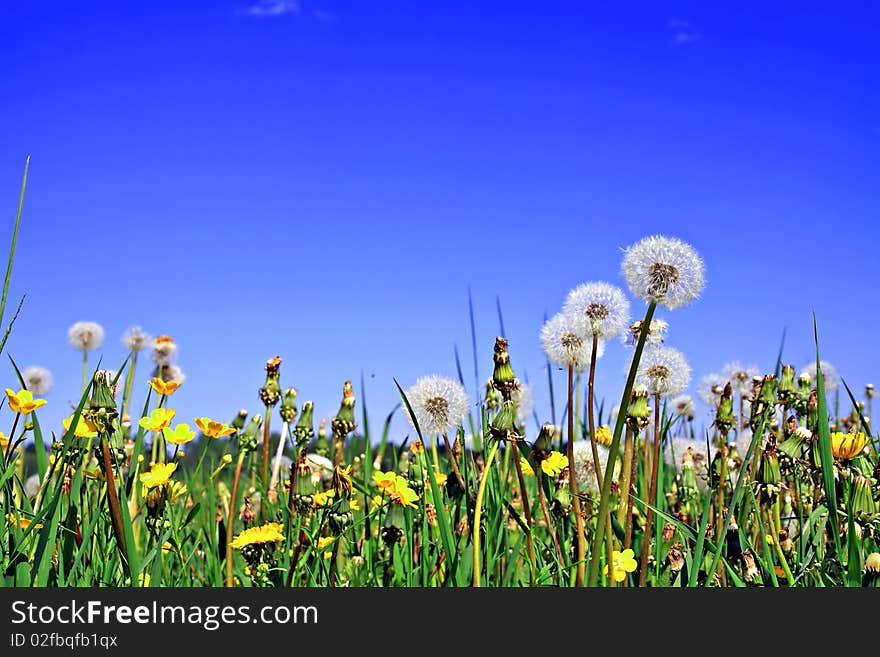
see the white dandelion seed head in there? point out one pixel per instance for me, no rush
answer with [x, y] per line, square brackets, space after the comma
[740, 377]
[524, 398]
[656, 333]
[684, 405]
[585, 468]
[674, 451]
[597, 308]
[830, 377]
[164, 349]
[664, 269]
[663, 371]
[803, 433]
[37, 379]
[170, 373]
[86, 336]
[438, 403]
[320, 468]
[32, 485]
[136, 339]
[710, 388]
[566, 346]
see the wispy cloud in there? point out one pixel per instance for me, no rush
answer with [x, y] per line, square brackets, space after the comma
[683, 32]
[269, 8]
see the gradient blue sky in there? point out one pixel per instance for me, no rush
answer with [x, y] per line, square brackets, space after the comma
[325, 180]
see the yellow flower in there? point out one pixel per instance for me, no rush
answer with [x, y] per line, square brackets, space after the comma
[554, 464]
[402, 493]
[384, 481]
[342, 479]
[323, 498]
[144, 580]
[847, 446]
[212, 428]
[181, 434]
[603, 435]
[158, 475]
[439, 477]
[164, 387]
[84, 428]
[23, 401]
[268, 533]
[325, 541]
[159, 420]
[526, 467]
[23, 523]
[4, 444]
[623, 563]
[377, 501]
[417, 447]
[354, 505]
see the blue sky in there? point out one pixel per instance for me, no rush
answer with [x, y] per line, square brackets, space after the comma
[327, 180]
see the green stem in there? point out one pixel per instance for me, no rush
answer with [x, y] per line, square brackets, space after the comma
[129, 384]
[652, 497]
[85, 368]
[580, 570]
[231, 524]
[478, 512]
[599, 538]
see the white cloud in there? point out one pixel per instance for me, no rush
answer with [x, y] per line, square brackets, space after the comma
[268, 8]
[683, 32]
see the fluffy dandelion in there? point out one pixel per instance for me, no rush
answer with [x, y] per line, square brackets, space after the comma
[585, 466]
[438, 403]
[136, 339]
[37, 379]
[830, 377]
[683, 406]
[710, 388]
[597, 309]
[164, 349]
[663, 371]
[740, 377]
[565, 346]
[170, 373]
[524, 398]
[656, 332]
[674, 452]
[663, 269]
[86, 336]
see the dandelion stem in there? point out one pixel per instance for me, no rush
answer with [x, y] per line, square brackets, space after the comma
[615, 444]
[546, 513]
[115, 510]
[129, 384]
[231, 523]
[264, 472]
[85, 368]
[580, 572]
[478, 512]
[527, 512]
[454, 462]
[652, 497]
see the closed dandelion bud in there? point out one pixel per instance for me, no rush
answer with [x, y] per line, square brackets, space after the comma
[793, 446]
[493, 398]
[322, 447]
[503, 425]
[458, 445]
[288, 405]
[770, 475]
[270, 393]
[239, 420]
[502, 376]
[343, 423]
[724, 418]
[862, 497]
[544, 441]
[637, 413]
[339, 518]
[102, 407]
[304, 430]
[248, 440]
[813, 411]
[562, 500]
[768, 390]
[786, 392]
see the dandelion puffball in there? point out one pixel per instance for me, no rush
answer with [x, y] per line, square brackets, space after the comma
[663, 371]
[438, 403]
[86, 336]
[598, 309]
[565, 346]
[710, 388]
[524, 398]
[740, 377]
[830, 377]
[37, 379]
[663, 269]
[136, 339]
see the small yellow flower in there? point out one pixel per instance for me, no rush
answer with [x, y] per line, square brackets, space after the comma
[377, 501]
[847, 446]
[164, 388]
[384, 481]
[603, 435]
[84, 428]
[323, 498]
[213, 429]
[158, 475]
[554, 464]
[325, 542]
[439, 477]
[402, 493]
[417, 447]
[354, 505]
[23, 523]
[624, 563]
[159, 420]
[526, 467]
[4, 444]
[268, 533]
[23, 401]
[181, 434]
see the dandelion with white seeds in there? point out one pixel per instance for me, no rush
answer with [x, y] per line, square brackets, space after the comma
[741, 378]
[439, 405]
[37, 380]
[85, 337]
[830, 377]
[564, 345]
[135, 339]
[710, 388]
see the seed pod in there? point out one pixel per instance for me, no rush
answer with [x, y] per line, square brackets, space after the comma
[503, 377]
[288, 405]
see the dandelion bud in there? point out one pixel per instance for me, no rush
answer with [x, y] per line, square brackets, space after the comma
[248, 441]
[339, 518]
[544, 441]
[493, 399]
[768, 390]
[322, 447]
[786, 391]
[813, 411]
[637, 413]
[343, 423]
[304, 430]
[769, 470]
[793, 446]
[288, 405]
[862, 497]
[102, 411]
[503, 426]
[675, 558]
[502, 376]
[270, 393]
[724, 418]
